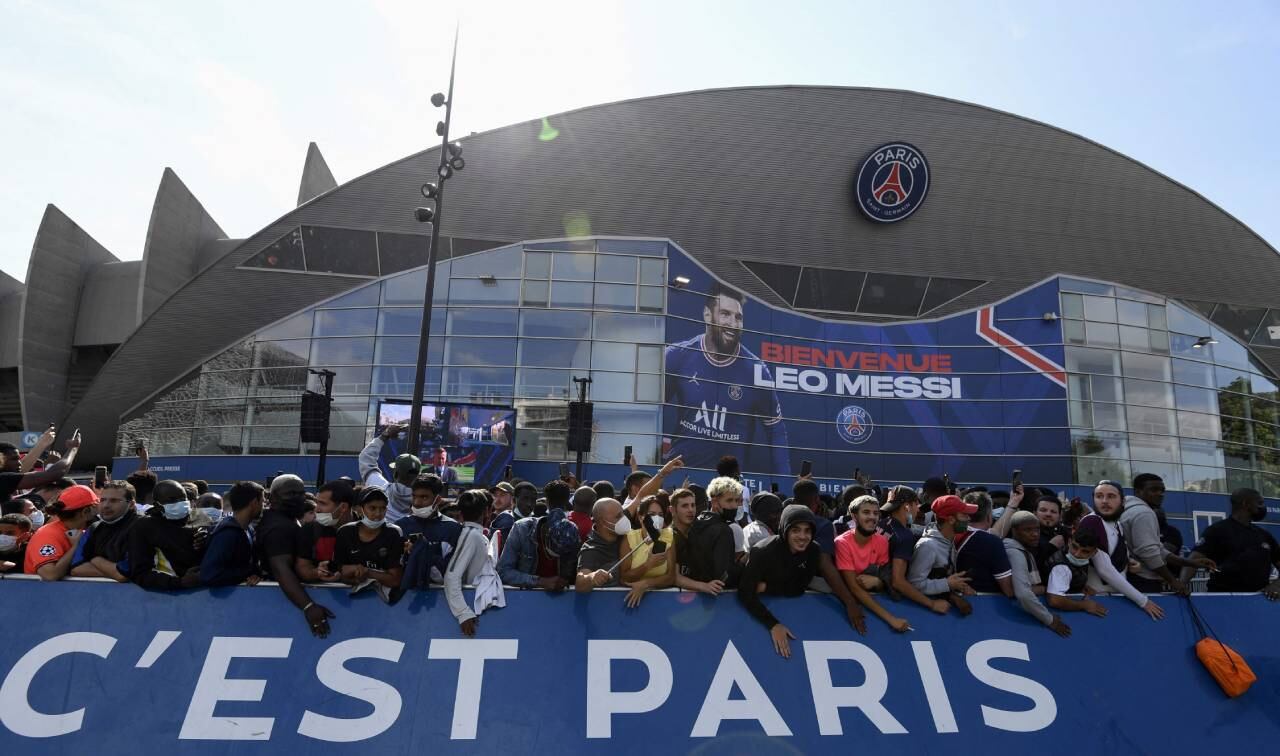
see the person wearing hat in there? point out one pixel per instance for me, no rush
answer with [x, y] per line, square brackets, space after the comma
[404, 471]
[370, 548]
[784, 565]
[980, 554]
[542, 552]
[766, 508]
[1021, 546]
[276, 548]
[524, 497]
[163, 551]
[51, 549]
[932, 569]
[898, 513]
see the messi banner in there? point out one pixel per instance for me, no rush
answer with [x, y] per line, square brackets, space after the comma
[104, 669]
[974, 395]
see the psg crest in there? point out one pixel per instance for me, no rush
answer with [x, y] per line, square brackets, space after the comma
[891, 182]
[854, 424]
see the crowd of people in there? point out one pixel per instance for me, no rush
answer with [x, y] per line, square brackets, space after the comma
[404, 529]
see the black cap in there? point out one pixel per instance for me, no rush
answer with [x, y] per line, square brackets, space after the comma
[899, 495]
[373, 492]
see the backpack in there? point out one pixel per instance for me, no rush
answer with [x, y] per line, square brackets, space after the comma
[1227, 667]
[696, 550]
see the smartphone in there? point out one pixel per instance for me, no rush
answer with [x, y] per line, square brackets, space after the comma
[626, 456]
[99, 476]
[506, 474]
[946, 481]
[139, 446]
[773, 487]
[564, 469]
[806, 468]
[1017, 479]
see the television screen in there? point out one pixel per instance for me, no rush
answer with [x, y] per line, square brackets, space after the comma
[465, 444]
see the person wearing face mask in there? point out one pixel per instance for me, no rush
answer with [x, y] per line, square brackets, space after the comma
[210, 505]
[784, 565]
[603, 547]
[932, 570]
[766, 508]
[52, 548]
[1245, 552]
[15, 532]
[652, 561]
[404, 471]
[335, 507]
[432, 535]
[163, 553]
[708, 551]
[367, 552]
[228, 557]
[899, 512]
[276, 548]
[104, 551]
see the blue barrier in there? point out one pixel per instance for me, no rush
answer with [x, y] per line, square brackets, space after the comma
[106, 669]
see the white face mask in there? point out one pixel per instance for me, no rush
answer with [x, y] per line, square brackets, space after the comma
[658, 522]
[37, 518]
[622, 526]
[372, 524]
[423, 512]
[8, 543]
[176, 510]
[1077, 561]
[326, 519]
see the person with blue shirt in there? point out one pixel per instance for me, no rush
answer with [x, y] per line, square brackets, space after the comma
[228, 555]
[711, 383]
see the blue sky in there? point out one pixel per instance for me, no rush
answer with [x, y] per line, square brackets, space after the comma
[100, 96]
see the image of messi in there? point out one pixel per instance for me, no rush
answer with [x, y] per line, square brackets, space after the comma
[718, 410]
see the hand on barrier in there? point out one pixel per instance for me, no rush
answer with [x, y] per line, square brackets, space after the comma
[781, 644]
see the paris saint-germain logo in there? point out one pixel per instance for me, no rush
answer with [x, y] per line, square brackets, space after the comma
[892, 182]
[854, 424]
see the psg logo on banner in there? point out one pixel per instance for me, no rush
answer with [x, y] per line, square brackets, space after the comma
[892, 182]
[854, 424]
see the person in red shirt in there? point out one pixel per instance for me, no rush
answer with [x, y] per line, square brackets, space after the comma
[863, 550]
[51, 549]
[583, 500]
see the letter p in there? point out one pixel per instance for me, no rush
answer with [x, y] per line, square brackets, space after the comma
[603, 702]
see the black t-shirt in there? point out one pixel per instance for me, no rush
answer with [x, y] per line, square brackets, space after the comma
[315, 542]
[1244, 553]
[8, 484]
[110, 540]
[902, 541]
[277, 535]
[382, 553]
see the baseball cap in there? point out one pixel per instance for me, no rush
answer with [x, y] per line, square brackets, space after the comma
[503, 486]
[372, 492]
[287, 485]
[950, 506]
[77, 497]
[899, 495]
[410, 462]
[563, 538]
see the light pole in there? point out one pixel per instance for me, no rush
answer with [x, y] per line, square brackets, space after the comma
[450, 162]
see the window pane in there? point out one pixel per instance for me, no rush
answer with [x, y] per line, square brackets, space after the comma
[653, 271]
[1073, 331]
[891, 294]
[215, 440]
[535, 383]
[500, 263]
[1156, 317]
[570, 294]
[225, 384]
[280, 382]
[1202, 453]
[1169, 472]
[537, 265]
[573, 266]
[398, 381]
[1148, 393]
[613, 356]
[480, 383]
[1090, 470]
[1135, 338]
[1159, 341]
[1080, 360]
[330, 352]
[1102, 309]
[615, 297]
[1108, 416]
[648, 387]
[346, 322]
[365, 296]
[1232, 380]
[943, 290]
[297, 327]
[472, 291]
[649, 359]
[1153, 448]
[1199, 425]
[1204, 479]
[1099, 444]
[408, 289]
[652, 298]
[397, 252]
[612, 387]
[1132, 313]
[281, 353]
[340, 250]
[1088, 287]
[534, 293]
[1193, 373]
[406, 321]
[1072, 306]
[476, 351]
[484, 322]
[403, 350]
[284, 254]
[559, 325]
[615, 268]
[352, 379]
[829, 289]
[1101, 334]
[633, 328]
[1106, 389]
[1080, 414]
[1195, 399]
[1182, 321]
[1078, 387]
[1146, 366]
[1239, 321]
[554, 353]
[1150, 420]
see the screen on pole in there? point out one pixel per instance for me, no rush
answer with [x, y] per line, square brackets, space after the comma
[464, 444]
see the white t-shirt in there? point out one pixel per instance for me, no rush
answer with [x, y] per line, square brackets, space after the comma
[1059, 580]
[739, 538]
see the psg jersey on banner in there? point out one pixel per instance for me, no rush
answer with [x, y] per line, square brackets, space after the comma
[715, 401]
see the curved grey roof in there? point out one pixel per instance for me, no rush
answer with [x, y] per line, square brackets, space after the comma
[746, 174]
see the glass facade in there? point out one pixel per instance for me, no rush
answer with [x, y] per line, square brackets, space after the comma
[1154, 386]
[511, 326]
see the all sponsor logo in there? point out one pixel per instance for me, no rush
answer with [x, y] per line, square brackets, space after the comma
[854, 424]
[892, 182]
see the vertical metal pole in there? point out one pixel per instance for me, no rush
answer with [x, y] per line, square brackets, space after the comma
[424, 339]
[324, 444]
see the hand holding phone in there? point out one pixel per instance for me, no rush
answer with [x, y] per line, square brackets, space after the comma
[626, 455]
[99, 477]
[806, 468]
[564, 469]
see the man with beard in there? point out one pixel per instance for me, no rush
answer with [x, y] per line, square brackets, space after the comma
[107, 543]
[1111, 561]
[1244, 551]
[711, 382]
[404, 471]
[862, 552]
[276, 547]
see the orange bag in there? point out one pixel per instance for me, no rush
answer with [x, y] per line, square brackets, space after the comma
[1227, 667]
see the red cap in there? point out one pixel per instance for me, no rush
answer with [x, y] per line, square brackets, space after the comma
[77, 497]
[950, 506]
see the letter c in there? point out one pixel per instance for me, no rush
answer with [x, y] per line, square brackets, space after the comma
[15, 710]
